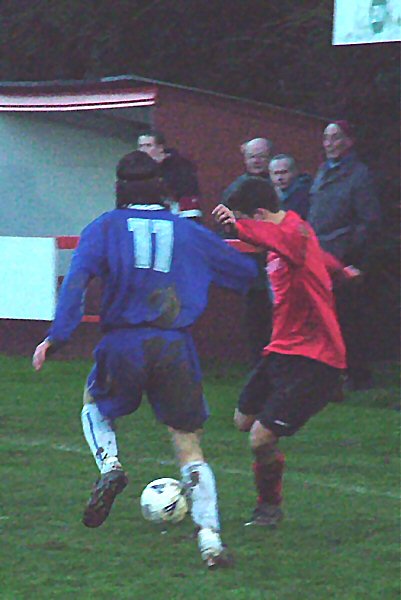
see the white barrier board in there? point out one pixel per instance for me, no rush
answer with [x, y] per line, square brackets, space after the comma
[28, 280]
[366, 21]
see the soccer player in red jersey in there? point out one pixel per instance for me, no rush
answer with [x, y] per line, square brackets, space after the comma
[300, 370]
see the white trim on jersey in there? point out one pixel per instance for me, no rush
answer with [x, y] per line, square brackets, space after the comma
[194, 212]
[146, 206]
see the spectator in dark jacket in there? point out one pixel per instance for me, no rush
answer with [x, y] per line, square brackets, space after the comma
[292, 187]
[256, 154]
[178, 173]
[345, 214]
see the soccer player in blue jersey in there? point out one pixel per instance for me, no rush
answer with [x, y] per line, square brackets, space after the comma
[156, 270]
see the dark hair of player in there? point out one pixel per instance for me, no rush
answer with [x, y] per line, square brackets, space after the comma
[253, 193]
[138, 181]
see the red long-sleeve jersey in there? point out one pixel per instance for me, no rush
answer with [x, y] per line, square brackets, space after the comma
[304, 316]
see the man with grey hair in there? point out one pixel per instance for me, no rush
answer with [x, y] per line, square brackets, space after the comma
[256, 154]
[291, 186]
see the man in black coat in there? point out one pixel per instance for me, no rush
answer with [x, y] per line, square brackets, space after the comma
[178, 173]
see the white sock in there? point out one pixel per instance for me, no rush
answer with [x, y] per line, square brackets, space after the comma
[101, 438]
[199, 479]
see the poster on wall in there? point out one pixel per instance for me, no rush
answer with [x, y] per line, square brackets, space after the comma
[366, 21]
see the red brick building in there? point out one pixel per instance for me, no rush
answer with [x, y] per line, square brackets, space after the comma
[64, 139]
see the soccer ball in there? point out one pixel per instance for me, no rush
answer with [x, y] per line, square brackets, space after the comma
[162, 501]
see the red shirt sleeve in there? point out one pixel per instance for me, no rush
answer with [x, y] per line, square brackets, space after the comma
[332, 264]
[290, 244]
[337, 270]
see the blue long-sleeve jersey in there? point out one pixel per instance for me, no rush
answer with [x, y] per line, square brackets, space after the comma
[156, 270]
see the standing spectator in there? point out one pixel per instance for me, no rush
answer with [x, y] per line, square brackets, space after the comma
[156, 270]
[256, 154]
[292, 187]
[300, 370]
[345, 215]
[178, 173]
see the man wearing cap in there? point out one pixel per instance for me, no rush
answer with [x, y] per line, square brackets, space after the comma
[345, 215]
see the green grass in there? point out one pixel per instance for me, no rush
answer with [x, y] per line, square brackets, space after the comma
[339, 540]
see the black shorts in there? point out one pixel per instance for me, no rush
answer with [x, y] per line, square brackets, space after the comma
[285, 391]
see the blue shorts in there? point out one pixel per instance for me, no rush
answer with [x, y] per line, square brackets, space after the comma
[164, 364]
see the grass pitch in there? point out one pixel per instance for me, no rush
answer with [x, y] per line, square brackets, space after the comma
[339, 540]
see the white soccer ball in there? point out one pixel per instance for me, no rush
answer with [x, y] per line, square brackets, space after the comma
[162, 501]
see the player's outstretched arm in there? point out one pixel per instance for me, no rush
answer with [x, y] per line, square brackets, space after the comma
[339, 272]
[39, 356]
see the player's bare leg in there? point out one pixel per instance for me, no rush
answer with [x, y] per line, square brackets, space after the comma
[199, 480]
[100, 436]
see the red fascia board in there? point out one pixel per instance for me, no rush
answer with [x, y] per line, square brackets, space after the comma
[67, 242]
[90, 319]
[36, 100]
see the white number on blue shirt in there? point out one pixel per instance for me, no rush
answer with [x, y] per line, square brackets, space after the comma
[163, 231]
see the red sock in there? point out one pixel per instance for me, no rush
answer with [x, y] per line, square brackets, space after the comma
[269, 479]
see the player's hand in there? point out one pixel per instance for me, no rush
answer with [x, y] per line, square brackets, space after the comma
[224, 215]
[353, 274]
[39, 356]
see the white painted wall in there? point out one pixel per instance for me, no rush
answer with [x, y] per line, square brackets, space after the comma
[54, 177]
[28, 279]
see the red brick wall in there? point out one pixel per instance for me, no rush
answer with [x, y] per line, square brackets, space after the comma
[210, 129]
